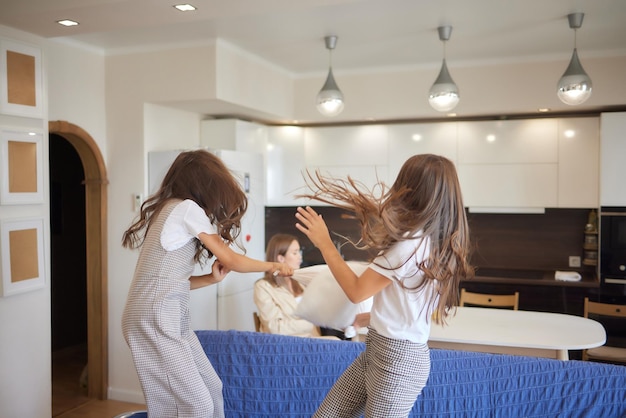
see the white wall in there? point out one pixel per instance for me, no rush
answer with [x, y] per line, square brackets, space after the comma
[73, 91]
[25, 338]
[76, 89]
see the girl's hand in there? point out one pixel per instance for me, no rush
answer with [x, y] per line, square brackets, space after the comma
[281, 269]
[219, 271]
[361, 320]
[313, 226]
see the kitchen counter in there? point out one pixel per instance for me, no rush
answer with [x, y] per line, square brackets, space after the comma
[529, 277]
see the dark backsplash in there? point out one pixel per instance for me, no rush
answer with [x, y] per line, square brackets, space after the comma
[504, 241]
[340, 223]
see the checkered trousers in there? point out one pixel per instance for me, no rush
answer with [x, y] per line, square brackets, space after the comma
[176, 377]
[383, 382]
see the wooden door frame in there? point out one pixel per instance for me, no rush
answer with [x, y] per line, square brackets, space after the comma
[96, 253]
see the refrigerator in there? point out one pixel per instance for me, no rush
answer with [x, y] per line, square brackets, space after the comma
[228, 304]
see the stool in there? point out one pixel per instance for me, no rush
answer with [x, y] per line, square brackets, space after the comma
[133, 414]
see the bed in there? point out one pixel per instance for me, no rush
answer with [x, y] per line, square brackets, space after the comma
[267, 375]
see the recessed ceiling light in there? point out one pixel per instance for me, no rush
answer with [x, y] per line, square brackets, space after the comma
[543, 109]
[185, 7]
[67, 22]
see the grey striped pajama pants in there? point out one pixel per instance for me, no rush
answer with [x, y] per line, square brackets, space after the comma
[383, 382]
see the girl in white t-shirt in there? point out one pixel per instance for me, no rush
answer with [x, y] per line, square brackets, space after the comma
[419, 230]
[195, 215]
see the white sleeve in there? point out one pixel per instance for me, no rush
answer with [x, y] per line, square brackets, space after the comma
[402, 259]
[186, 221]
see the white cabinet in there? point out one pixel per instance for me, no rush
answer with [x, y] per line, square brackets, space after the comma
[508, 164]
[360, 152]
[509, 187]
[530, 141]
[406, 140]
[612, 158]
[285, 165]
[579, 148]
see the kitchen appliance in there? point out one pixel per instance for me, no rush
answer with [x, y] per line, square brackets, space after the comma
[613, 253]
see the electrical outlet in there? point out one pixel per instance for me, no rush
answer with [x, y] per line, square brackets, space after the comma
[574, 261]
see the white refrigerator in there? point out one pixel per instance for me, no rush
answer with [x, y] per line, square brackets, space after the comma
[229, 304]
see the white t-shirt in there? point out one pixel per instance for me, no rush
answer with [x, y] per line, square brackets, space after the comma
[396, 312]
[186, 221]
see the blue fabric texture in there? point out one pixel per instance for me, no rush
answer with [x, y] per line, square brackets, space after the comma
[268, 375]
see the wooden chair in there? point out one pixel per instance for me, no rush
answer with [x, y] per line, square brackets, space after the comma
[488, 300]
[606, 352]
[257, 321]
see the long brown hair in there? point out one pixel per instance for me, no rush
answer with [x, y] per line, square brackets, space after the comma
[278, 245]
[202, 177]
[426, 197]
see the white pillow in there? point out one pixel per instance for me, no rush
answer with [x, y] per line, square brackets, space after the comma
[323, 302]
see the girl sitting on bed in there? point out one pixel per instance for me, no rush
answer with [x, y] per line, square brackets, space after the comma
[276, 298]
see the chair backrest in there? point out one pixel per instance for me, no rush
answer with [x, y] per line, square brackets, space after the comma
[489, 300]
[604, 309]
[606, 353]
[257, 321]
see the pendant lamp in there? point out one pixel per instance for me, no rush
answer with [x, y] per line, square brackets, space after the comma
[574, 87]
[444, 94]
[330, 98]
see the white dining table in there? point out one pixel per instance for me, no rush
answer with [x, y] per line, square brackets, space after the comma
[507, 331]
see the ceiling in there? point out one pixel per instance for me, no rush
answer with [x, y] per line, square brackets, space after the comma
[371, 33]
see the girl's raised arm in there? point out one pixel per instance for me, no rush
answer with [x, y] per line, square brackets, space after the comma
[238, 262]
[356, 288]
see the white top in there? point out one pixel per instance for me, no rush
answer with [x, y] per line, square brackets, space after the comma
[186, 221]
[396, 312]
[526, 329]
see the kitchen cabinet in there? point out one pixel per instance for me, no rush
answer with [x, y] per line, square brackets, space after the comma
[528, 141]
[579, 149]
[286, 163]
[503, 166]
[360, 152]
[406, 140]
[508, 164]
[612, 157]
[508, 187]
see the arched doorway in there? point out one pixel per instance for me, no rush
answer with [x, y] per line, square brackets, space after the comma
[96, 252]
